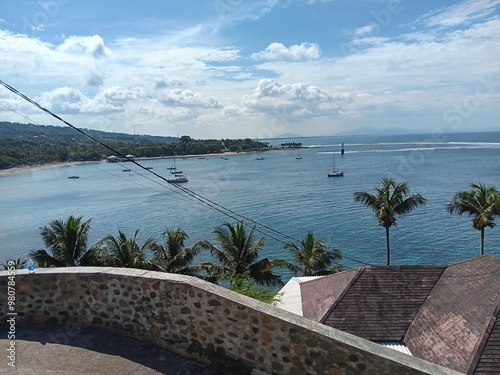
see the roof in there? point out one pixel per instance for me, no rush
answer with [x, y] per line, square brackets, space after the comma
[381, 302]
[448, 314]
[291, 299]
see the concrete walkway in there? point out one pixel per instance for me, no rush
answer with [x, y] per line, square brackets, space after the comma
[61, 350]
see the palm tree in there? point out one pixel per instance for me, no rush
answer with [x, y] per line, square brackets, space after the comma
[18, 263]
[482, 203]
[312, 257]
[390, 200]
[238, 256]
[67, 243]
[174, 257]
[126, 252]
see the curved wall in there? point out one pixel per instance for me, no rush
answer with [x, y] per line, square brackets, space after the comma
[198, 319]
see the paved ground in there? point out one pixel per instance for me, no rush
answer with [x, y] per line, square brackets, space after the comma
[61, 350]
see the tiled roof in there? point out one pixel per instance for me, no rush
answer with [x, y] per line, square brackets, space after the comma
[453, 325]
[381, 303]
[489, 362]
[449, 315]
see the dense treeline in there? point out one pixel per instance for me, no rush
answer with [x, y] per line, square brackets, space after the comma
[26, 144]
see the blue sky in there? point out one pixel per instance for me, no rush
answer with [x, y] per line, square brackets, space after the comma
[260, 68]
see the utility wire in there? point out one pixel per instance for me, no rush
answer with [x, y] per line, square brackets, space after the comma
[230, 213]
[207, 202]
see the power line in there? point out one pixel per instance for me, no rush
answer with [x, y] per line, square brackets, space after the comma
[227, 212]
[181, 189]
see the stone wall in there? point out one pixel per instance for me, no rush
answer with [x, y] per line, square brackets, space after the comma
[200, 320]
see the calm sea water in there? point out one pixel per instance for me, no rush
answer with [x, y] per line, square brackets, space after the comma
[281, 192]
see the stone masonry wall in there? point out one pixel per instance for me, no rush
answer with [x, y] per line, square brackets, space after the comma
[200, 320]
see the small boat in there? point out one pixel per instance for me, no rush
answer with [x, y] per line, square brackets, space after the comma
[202, 157]
[126, 170]
[177, 178]
[173, 167]
[73, 177]
[148, 167]
[260, 158]
[176, 172]
[299, 156]
[335, 173]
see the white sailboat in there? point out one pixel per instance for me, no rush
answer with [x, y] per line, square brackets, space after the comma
[173, 168]
[335, 173]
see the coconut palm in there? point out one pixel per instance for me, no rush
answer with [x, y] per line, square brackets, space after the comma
[174, 257]
[67, 244]
[123, 251]
[482, 203]
[18, 263]
[391, 200]
[312, 256]
[238, 256]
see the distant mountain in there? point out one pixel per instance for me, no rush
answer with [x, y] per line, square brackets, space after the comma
[288, 135]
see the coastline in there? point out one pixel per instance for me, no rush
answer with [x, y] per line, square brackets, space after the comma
[32, 167]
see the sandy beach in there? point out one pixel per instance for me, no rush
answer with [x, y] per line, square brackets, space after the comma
[62, 164]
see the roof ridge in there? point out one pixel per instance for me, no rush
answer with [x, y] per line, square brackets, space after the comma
[343, 293]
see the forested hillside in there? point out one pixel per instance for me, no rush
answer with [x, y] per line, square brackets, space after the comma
[25, 144]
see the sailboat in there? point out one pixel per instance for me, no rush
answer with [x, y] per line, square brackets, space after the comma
[173, 168]
[335, 173]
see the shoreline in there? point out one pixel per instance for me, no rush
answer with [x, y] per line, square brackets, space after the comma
[33, 167]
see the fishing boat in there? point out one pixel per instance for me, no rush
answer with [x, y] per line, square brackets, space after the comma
[335, 173]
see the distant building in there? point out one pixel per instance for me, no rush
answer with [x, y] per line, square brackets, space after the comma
[115, 159]
[449, 315]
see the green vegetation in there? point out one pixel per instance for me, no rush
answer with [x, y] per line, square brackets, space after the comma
[391, 200]
[312, 257]
[26, 144]
[236, 259]
[291, 144]
[238, 255]
[67, 244]
[482, 203]
[247, 286]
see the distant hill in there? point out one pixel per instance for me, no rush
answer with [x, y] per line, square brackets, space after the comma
[28, 144]
[14, 129]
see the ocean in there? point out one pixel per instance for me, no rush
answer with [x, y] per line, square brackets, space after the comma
[286, 196]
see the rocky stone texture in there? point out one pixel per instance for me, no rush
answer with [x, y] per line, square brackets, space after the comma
[199, 320]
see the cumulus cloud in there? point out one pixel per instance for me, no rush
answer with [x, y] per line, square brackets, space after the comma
[277, 51]
[64, 100]
[186, 98]
[90, 45]
[298, 99]
[113, 99]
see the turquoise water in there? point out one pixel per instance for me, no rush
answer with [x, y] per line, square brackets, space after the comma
[281, 192]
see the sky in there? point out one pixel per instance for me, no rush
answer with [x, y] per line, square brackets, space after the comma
[253, 68]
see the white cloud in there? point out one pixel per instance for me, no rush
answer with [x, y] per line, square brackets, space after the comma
[186, 98]
[91, 45]
[169, 82]
[365, 30]
[461, 13]
[64, 100]
[295, 99]
[277, 51]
